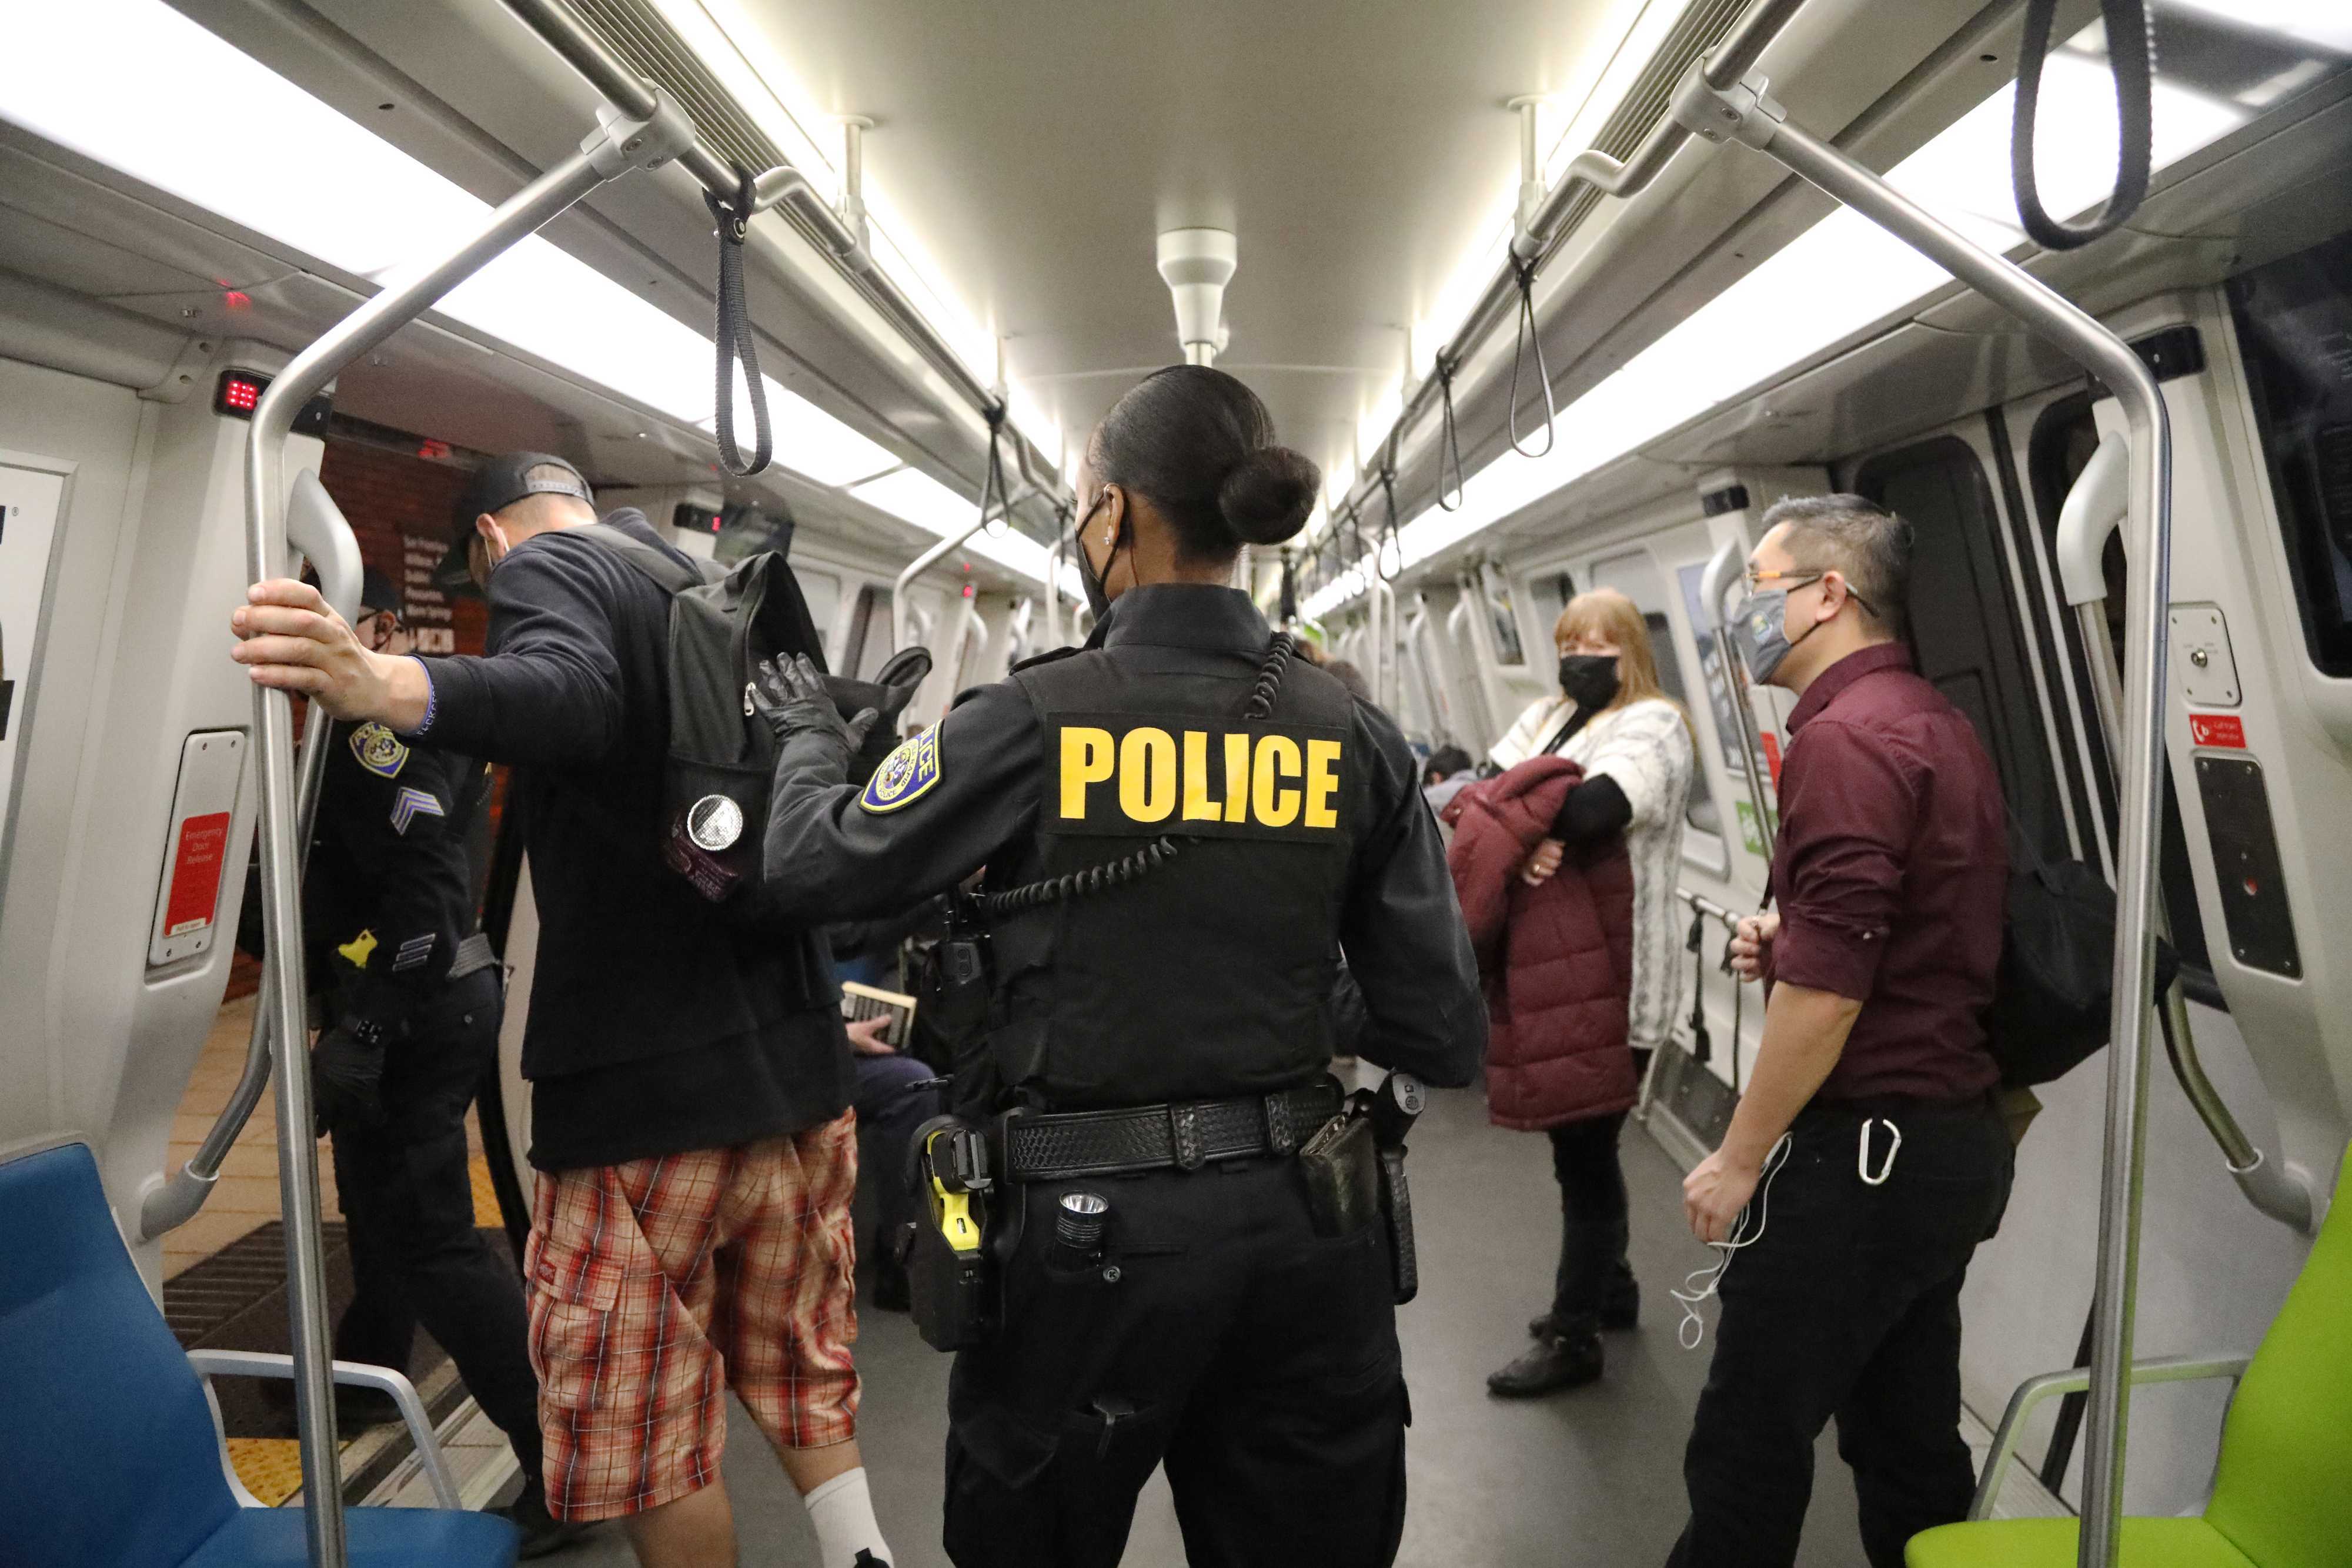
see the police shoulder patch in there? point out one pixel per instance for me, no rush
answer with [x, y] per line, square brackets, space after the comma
[906, 775]
[378, 750]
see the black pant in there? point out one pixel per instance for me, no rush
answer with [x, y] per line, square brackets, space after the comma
[408, 1201]
[893, 1097]
[1848, 1305]
[1594, 1272]
[1220, 1335]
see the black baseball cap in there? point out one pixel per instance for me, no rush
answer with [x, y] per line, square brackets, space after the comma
[494, 486]
[376, 592]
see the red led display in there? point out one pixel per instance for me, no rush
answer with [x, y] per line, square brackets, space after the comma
[239, 393]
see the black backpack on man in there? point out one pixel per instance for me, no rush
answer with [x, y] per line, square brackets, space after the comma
[723, 622]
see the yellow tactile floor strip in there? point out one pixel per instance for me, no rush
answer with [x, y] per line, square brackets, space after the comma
[271, 1468]
[485, 1196]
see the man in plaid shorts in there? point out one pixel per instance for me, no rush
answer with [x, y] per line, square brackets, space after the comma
[691, 1080]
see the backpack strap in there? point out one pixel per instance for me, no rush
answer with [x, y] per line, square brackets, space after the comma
[657, 565]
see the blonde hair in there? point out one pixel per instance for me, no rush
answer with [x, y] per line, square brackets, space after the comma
[1605, 615]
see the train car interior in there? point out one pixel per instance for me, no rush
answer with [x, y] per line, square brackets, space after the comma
[1559, 296]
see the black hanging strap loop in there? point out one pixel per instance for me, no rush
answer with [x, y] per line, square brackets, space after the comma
[1701, 1045]
[734, 335]
[1388, 497]
[1523, 335]
[2131, 55]
[1449, 447]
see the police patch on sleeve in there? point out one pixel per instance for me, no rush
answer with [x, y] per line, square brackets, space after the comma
[906, 775]
[378, 750]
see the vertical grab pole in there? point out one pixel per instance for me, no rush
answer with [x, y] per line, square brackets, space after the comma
[1741, 112]
[616, 147]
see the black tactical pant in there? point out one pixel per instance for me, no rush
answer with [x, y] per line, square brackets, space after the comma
[1847, 1306]
[1219, 1335]
[408, 1201]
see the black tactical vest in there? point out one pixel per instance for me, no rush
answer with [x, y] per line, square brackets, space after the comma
[1207, 973]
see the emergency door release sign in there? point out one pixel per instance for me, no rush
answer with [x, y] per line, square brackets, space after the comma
[2218, 730]
[196, 865]
[198, 854]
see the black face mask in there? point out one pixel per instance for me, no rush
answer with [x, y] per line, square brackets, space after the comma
[1098, 595]
[1589, 680]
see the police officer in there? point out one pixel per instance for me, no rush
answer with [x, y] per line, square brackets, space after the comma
[415, 1008]
[1183, 826]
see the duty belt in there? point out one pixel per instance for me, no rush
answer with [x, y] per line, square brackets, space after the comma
[473, 953]
[1184, 1136]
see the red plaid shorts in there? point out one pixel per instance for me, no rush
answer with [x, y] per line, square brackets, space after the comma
[658, 1284]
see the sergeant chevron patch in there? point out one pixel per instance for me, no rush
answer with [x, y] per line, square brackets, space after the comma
[410, 804]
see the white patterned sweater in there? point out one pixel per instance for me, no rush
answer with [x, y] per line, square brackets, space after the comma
[1646, 748]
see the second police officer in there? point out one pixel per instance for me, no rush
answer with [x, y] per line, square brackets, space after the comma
[1184, 826]
[417, 996]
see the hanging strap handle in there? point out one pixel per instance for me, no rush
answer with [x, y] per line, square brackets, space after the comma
[1449, 450]
[1388, 495]
[1523, 334]
[2131, 55]
[734, 333]
[1701, 1045]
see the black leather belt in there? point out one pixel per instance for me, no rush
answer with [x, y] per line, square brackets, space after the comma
[1185, 1135]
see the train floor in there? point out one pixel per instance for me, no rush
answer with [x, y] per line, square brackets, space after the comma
[1590, 1477]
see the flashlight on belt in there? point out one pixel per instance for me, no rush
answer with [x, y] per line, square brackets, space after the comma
[1078, 1221]
[1393, 1108]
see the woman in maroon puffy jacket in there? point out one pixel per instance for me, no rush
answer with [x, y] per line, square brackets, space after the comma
[1569, 861]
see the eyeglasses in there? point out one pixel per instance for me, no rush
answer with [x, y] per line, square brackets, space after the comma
[1756, 579]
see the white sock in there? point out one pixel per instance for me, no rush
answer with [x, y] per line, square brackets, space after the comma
[843, 1512]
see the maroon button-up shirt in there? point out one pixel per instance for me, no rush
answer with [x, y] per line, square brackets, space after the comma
[1891, 873]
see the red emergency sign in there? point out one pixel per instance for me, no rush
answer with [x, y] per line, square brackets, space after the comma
[196, 865]
[1772, 755]
[2217, 729]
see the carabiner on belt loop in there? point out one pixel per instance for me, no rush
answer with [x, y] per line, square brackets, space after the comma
[1862, 1152]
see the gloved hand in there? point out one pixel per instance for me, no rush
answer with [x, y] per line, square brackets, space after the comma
[347, 1077]
[791, 697]
[889, 693]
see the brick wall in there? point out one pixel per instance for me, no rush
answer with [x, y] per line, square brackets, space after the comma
[399, 507]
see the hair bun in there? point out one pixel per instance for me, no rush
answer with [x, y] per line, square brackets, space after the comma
[1267, 496]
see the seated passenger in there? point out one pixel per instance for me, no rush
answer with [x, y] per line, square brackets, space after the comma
[1557, 1062]
[1442, 779]
[690, 1072]
[1866, 1160]
[895, 1092]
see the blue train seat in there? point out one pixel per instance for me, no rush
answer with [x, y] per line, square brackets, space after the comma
[110, 1448]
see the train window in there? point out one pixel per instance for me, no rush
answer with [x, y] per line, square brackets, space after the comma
[1702, 813]
[1503, 614]
[2294, 322]
[2060, 448]
[1965, 632]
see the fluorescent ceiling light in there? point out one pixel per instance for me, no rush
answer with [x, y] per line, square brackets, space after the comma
[289, 167]
[914, 496]
[1834, 280]
[2324, 24]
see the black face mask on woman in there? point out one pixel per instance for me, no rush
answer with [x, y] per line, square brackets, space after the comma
[1098, 595]
[1589, 680]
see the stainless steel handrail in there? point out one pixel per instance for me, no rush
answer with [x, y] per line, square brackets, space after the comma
[615, 148]
[2031, 1393]
[1712, 585]
[1743, 112]
[783, 187]
[316, 531]
[1536, 239]
[2093, 509]
[1702, 904]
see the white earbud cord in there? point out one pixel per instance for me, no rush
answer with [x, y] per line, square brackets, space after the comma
[1701, 1283]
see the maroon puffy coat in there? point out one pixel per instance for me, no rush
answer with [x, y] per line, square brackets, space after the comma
[1557, 959]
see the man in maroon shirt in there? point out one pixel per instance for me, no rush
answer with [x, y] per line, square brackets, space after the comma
[1865, 1161]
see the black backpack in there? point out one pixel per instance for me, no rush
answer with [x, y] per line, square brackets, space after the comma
[722, 757]
[2056, 987]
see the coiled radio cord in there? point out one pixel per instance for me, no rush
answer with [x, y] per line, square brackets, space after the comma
[1161, 850]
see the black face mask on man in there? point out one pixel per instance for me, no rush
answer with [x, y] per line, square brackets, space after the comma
[1589, 680]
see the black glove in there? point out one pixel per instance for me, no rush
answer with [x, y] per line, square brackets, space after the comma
[889, 693]
[346, 1075]
[791, 697]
